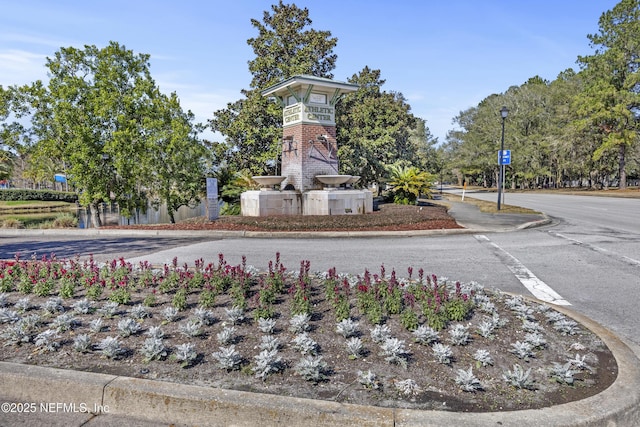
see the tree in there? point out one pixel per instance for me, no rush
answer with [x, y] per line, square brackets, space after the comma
[176, 160]
[284, 47]
[91, 117]
[611, 98]
[373, 128]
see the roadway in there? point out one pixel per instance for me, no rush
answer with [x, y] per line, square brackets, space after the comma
[588, 258]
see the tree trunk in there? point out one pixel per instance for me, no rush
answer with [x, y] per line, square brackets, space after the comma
[95, 215]
[621, 167]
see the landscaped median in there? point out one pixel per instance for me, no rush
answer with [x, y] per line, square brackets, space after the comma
[192, 342]
[618, 405]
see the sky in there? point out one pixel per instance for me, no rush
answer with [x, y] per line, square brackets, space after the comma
[443, 56]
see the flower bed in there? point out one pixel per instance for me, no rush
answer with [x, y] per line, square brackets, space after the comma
[418, 341]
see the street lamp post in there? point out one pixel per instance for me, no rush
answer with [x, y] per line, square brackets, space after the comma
[503, 112]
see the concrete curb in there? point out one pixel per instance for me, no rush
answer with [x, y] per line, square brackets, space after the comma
[149, 400]
[224, 233]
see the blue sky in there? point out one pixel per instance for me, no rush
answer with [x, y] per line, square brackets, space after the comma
[444, 56]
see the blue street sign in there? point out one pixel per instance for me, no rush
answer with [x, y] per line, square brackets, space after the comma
[504, 157]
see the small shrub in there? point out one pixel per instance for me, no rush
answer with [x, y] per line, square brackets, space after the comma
[305, 344]
[519, 378]
[482, 357]
[82, 343]
[311, 368]
[425, 335]
[191, 328]
[369, 380]
[155, 332]
[269, 343]
[65, 221]
[96, 325]
[380, 333]
[235, 314]
[153, 348]
[562, 373]
[394, 352]
[108, 310]
[139, 312]
[354, 347]
[226, 335]
[83, 306]
[467, 380]
[110, 347]
[128, 327]
[407, 387]
[186, 354]
[523, 350]
[64, 322]
[299, 323]
[170, 314]
[347, 328]
[45, 341]
[266, 326]
[228, 358]
[53, 305]
[266, 363]
[459, 335]
[22, 305]
[443, 353]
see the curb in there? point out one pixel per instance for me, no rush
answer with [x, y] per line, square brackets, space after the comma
[165, 402]
[227, 233]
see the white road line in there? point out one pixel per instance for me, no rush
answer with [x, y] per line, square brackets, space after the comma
[537, 287]
[598, 249]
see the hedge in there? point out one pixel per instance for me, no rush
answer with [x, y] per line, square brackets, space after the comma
[44, 195]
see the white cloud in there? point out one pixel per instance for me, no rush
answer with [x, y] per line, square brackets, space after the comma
[21, 67]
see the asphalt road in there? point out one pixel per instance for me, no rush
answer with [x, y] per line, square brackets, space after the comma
[588, 258]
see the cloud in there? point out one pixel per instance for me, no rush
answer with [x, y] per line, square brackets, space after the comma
[21, 67]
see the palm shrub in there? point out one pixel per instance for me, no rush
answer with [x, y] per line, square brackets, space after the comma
[408, 183]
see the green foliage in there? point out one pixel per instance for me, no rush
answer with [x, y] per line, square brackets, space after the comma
[121, 295]
[373, 128]
[179, 300]
[44, 195]
[409, 183]
[409, 319]
[581, 127]
[207, 298]
[102, 117]
[284, 47]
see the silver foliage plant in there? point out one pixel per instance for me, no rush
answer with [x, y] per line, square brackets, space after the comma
[394, 351]
[153, 348]
[425, 335]
[369, 380]
[267, 363]
[519, 378]
[267, 326]
[408, 387]
[311, 368]
[186, 354]
[347, 328]
[299, 323]
[228, 358]
[467, 380]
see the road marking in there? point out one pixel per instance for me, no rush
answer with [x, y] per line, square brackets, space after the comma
[537, 287]
[626, 259]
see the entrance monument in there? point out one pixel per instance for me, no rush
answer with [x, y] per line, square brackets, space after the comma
[310, 183]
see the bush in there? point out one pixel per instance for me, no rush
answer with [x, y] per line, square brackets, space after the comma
[65, 221]
[44, 195]
[12, 223]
